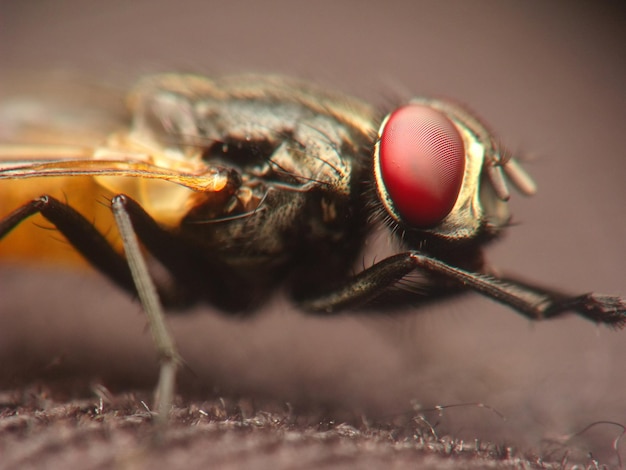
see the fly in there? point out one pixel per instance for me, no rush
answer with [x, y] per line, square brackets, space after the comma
[239, 185]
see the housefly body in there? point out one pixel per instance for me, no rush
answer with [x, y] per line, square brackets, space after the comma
[239, 185]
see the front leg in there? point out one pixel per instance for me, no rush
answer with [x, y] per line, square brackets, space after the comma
[532, 302]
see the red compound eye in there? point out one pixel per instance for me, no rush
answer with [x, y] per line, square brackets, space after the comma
[422, 162]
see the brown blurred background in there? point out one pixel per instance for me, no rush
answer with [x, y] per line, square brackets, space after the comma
[548, 76]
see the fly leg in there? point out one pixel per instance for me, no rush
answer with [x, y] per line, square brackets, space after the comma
[147, 292]
[130, 273]
[80, 233]
[534, 303]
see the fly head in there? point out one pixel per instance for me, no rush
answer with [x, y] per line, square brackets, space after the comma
[440, 175]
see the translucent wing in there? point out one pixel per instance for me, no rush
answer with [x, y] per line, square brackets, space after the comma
[70, 129]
